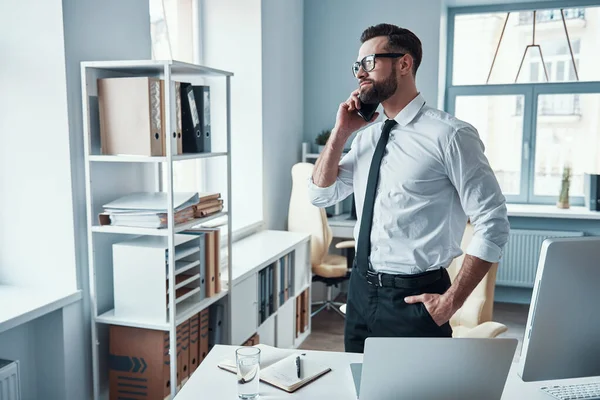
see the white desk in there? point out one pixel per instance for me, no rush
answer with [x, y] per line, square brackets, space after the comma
[341, 226]
[208, 381]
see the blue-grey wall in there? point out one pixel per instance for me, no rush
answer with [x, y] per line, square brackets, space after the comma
[282, 82]
[332, 31]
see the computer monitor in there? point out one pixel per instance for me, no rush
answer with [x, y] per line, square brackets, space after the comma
[562, 336]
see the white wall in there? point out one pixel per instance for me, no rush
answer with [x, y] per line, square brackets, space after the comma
[282, 93]
[111, 29]
[42, 235]
[332, 32]
[231, 40]
[36, 207]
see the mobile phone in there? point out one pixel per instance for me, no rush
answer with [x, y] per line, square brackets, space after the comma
[367, 110]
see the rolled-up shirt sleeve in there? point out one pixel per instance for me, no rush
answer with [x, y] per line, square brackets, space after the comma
[479, 191]
[339, 190]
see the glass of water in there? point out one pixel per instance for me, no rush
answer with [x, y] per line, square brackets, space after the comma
[248, 372]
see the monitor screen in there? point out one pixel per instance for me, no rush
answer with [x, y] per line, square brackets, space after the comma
[562, 336]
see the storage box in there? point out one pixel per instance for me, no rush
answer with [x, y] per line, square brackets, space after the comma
[140, 275]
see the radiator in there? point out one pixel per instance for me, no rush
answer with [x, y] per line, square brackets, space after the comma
[9, 380]
[519, 263]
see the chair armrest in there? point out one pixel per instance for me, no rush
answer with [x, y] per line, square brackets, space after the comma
[347, 244]
[469, 315]
[488, 330]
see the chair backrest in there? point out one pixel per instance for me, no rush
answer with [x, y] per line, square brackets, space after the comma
[305, 217]
[479, 306]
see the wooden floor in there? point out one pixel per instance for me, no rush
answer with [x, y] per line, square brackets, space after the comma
[328, 327]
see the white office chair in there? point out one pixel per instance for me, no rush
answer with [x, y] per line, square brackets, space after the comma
[331, 269]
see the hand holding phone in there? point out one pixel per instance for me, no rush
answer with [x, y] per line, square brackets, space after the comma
[351, 116]
[367, 110]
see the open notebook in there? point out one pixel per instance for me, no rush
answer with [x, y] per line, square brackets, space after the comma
[278, 368]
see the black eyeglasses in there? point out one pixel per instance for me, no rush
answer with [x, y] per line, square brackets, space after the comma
[368, 62]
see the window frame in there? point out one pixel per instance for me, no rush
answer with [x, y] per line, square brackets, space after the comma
[530, 92]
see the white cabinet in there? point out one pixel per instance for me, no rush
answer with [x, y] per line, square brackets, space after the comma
[266, 331]
[244, 310]
[286, 316]
[302, 274]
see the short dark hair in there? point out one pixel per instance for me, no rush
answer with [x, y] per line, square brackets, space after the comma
[399, 39]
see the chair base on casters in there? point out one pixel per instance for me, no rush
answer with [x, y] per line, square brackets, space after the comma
[328, 304]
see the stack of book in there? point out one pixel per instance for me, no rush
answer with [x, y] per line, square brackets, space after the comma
[148, 209]
[208, 204]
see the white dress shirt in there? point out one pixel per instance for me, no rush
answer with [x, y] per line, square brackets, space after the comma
[434, 176]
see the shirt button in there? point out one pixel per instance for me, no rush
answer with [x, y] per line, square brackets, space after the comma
[376, 248]
[384, 162]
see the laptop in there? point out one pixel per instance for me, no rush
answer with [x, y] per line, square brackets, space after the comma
[433, 368]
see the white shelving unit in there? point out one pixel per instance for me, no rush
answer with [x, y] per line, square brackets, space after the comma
[250, 256]
[109, 177]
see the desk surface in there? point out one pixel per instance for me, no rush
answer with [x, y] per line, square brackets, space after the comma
[20, 305]
[208, 381]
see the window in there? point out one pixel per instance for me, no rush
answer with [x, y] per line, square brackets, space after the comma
[532, 94]
[171, 30]
[174, 30]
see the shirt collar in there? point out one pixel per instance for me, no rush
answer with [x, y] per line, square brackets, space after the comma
[411, 110]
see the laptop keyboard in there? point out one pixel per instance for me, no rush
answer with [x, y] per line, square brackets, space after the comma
[584, 391]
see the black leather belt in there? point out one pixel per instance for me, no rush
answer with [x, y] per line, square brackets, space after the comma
[404, 281]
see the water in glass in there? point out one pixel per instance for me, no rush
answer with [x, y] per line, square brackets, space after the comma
[248, 372]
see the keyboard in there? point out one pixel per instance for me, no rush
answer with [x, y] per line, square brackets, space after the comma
[584, 391]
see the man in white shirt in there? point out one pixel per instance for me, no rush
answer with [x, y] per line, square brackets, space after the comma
[417, 179]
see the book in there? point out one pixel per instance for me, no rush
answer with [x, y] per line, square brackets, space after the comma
[151, 202]
[148, 209]
[278, 368]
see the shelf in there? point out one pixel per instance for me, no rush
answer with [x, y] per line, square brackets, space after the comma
[300, 339]
[186, 296]
[150, 159]
[127, 230]
[261, 249]
[186, 282]
[302, 289]
[185, 310]
[21, 305]
[182, 254]
[154, 67]
[183, 266]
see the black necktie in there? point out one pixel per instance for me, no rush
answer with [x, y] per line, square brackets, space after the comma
[363, 248]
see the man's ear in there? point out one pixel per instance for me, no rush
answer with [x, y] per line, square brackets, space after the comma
[405, 64]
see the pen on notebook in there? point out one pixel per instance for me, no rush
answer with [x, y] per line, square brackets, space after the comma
[298, 366]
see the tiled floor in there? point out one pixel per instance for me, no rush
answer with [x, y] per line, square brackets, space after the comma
[328, 327]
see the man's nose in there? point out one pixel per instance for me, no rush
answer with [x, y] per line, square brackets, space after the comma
[361, 73]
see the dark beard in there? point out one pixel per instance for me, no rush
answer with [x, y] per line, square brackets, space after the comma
[380, 91]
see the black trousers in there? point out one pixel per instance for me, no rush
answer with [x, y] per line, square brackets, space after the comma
[375, 311]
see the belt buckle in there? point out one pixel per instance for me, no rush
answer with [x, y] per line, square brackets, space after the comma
[373, 274]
